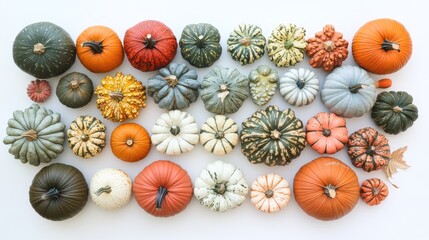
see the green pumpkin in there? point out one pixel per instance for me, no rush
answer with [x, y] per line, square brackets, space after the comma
[199, 44]
[44, 50]
[272, 136]
[36, 135]
[394, 111]
[176, 87]
[263, 84]
[224, 90]
[75, 90]
[246, 43]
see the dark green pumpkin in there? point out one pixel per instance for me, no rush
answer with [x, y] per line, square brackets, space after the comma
[199, 44]
[394, 111]
[75, 90]
[246, 43]
[44, 50]
[272, 136]
[58, 192]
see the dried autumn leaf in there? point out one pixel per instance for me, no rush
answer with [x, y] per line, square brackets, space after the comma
[396, 162]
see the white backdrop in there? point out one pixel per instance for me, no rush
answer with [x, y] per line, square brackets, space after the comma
[402, 215]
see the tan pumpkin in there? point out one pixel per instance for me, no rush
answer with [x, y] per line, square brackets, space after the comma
[270, 193]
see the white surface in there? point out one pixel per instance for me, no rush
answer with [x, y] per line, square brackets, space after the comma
[402, 215]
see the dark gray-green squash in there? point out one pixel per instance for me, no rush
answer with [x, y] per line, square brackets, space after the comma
[246, 43]
[75, 90]
[44, 50]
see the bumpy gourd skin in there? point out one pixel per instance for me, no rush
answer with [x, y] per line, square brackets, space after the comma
[246, 43]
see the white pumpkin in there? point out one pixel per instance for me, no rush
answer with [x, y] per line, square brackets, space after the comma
[175, 132]
[220, 186]
[219, 134]
[299, 87]
[270, 193]
[110, 188]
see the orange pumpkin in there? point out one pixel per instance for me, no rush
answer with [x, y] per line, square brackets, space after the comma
[373, 191]
[99, 49]
[326, 133]
[326, 188]
[163, 188]
[130, 142]
[382, 46]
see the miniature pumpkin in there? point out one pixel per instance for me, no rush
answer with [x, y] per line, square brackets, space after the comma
[120, 97]
[58, 192]
[110, 188]
[175, 132]
[270, 193]
[39, 90]
[246, 43]
[220, 186]
[272, 136]
[44, 50]
[219, 134]
[150, 45]
[176, 87]
[394, 111]
[327, 49]
[382, 46]
[199, 44]
[286, 45]
[326, 188]
[36, 135]
[99, 49]
[130, 142]
[86, 136]
[373, 191]
[75, 90]
[299, 87]
[163, 189]
[224, 90]
[326, 133]
[263, 84]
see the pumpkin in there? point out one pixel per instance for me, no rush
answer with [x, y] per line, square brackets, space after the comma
[176, 87]
[326, 133]
[382, 46]
[328, 49]
[150, 45]
[175, 132]
[299, 87]
[246, 43]
[199, 44]
[39, 90]
[224, 90]
[120, 97]
[130, 142]
[263, 84]
[220, 186]
[99, 49]
[86, 136]
[110, 188]
[75, 90]
[286, 45]
[368, 149]
[270, 193]
[373, 191]
[326, 188]
[394, 111]
[44, 50]
[272, 136]
[163, 189]
[219, 134]
[58, 192]
[36, 135]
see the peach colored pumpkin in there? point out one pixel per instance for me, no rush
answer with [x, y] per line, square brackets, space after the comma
[270, 193]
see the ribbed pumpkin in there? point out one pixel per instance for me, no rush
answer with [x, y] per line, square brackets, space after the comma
[130, 142]
[373, 191]
[39, 90]
[219, 134]
[299, 87]
[75, 90]
[44, 50]
[150, 45]
[326, 188]
[246, 43]
[270, 193]
[272, 136]
[99, 49]
[163, 189]
[263, 84]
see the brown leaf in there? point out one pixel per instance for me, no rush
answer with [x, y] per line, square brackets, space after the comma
[396, 162]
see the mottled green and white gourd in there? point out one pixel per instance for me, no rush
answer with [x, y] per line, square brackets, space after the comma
[299, 87]
[246, 43]
[263, 84]
[219, 134]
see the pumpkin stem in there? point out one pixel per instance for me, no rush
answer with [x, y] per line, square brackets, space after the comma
[224, 92]
[171, 80]
[30, 135]
[288, 44]
[129, 142]
[355, 88]
[95, 46]
[105, 189]
[397, 109]
[149, 42]
[326, 132]
[74, 84]
[117, 96]
[329, 46]
[219, 135]
[300, 83]
[84, 137]
[160, 195]
[245, 41]
[330, 191]
[39, 48]
[388, 45]
[275, 134]
[220, 188]
[53, 193]
[174, 130]
[269, 193]
[375, 191]
[201, 43]
[370, 151]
